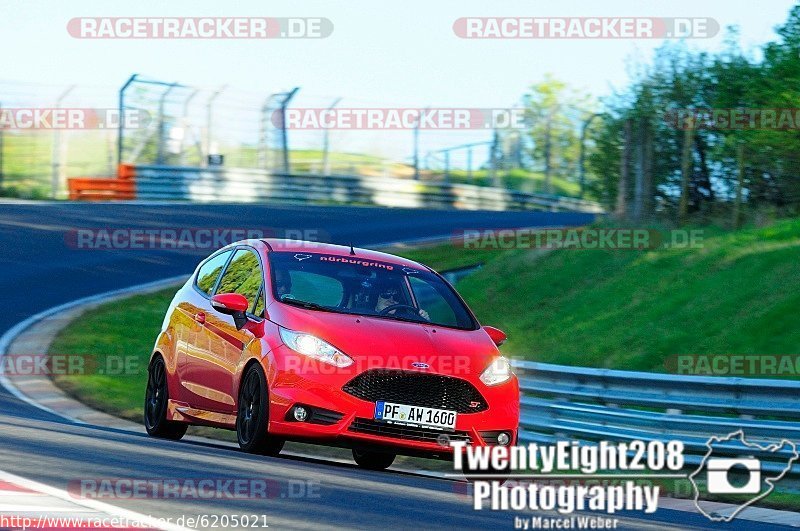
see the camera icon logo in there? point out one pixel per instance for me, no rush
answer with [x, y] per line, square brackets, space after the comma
[735, 466]
[719, 471]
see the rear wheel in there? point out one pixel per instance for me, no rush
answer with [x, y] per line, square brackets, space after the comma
[155, 404]
[373, 460]
[252, 416]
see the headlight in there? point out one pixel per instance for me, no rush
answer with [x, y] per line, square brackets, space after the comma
[314, 347]
[497, 372]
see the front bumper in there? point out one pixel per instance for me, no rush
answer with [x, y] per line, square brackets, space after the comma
[348, 421]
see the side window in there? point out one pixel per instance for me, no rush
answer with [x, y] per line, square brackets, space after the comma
[209, 272]
[261, 303]
[243, 276]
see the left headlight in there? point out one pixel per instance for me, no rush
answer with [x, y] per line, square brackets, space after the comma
[314, 347]
[497, 372]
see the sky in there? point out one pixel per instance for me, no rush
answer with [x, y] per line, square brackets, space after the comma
[404, 52]
[379, 53]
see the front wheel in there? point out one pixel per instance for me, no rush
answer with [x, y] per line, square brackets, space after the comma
[156, 398]
[373, 460]
[252, 416]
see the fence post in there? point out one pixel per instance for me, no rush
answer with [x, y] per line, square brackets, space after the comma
[326, 167]
[285, 136]
[209, 120]
[416, 147]
[493, 157]
[469, 162]
[161, 127]
[185, 125]
[121, 118]
[58, 151]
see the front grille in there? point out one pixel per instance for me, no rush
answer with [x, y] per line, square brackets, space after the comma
[417, 389]
[409, 433]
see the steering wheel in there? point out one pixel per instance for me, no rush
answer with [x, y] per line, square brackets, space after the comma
[400, 308]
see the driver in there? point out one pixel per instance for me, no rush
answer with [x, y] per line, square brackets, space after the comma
[390, 296]
[283, 283]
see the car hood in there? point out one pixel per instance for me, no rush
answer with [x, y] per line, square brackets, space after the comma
[384, 343]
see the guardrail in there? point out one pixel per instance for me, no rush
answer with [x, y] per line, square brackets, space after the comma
[591, 405]
[246, 185]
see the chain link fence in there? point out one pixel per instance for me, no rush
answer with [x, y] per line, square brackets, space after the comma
[170, 123]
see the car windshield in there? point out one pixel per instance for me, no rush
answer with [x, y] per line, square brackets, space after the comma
[361, 286]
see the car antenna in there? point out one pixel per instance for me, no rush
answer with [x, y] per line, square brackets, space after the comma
[352, 251]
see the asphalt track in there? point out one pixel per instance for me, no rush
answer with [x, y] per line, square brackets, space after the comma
[41, 270]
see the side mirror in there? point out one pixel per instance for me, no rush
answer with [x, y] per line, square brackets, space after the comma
[232, 304]
[498, 336]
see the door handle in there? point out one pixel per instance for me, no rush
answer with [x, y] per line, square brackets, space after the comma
[200, 317]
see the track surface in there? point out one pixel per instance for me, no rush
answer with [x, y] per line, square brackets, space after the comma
[39, 271]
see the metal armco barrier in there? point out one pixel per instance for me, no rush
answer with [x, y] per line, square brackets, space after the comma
[591, 405]
[243, 185]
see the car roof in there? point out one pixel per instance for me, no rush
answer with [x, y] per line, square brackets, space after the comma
[282, 245]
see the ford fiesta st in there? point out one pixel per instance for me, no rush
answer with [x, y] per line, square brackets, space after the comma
[285, 340]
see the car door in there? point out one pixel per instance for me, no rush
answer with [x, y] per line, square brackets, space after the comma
[215, 361]
[192, 339]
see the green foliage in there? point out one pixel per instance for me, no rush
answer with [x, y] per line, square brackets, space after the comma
[679, 79]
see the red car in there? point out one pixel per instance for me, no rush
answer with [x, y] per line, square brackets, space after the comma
[287, 340]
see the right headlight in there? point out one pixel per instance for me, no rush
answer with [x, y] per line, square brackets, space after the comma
[498, 371]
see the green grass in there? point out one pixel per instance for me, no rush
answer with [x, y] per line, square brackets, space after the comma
[114, 330]
[738, 294]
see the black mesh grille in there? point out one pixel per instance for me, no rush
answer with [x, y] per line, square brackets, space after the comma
[417, 389]
[410, 433]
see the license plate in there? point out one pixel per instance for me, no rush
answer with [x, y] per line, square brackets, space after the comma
[426, 417]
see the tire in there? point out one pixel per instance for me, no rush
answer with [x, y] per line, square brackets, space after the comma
[252, 418]
[156, 398]
[373, 460]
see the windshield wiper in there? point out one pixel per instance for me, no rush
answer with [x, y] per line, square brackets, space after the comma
[305, 304]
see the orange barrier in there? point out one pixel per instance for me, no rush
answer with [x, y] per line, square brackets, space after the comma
[95, 189]
[99, 189]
